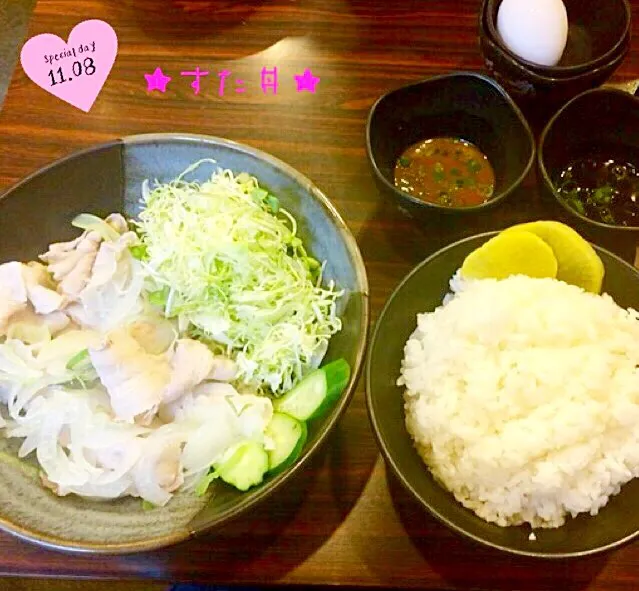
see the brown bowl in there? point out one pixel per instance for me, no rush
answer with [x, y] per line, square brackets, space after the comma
[524, 84]
[597, 32]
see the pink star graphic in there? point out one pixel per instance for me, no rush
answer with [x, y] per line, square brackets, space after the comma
[157, 81]
[306, 81]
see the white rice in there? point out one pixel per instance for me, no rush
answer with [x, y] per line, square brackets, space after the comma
[522, 397]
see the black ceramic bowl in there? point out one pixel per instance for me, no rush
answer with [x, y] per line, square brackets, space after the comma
[598, 121]
[422, 291]
[597, 31]
[542, 91]
[108, 178]
[461, 105]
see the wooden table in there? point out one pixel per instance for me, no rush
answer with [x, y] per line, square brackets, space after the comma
[347, 522]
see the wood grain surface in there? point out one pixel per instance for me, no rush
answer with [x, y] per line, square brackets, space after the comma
[346, 522]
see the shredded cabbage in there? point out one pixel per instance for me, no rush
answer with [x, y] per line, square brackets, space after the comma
[224, 258]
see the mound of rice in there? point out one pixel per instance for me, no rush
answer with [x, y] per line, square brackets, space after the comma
[522, 397]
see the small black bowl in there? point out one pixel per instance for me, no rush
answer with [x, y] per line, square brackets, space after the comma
[542, 92]
[597, 31]
[422, 291]
[598, 121]
[461, 105]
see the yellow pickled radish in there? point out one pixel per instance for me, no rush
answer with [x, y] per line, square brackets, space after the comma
[511, 253]
[577, 261]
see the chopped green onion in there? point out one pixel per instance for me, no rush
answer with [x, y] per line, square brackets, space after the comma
[603, 195]
[578, 205]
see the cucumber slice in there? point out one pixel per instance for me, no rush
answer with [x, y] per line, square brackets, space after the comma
[246, 467]
[289, 436]
[316, 393]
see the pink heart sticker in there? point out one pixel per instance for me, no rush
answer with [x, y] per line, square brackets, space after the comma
[74, 71]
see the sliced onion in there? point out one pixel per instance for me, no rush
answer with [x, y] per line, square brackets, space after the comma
[30, 333]
[87, 221]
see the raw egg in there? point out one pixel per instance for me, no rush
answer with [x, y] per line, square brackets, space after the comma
[534, 30]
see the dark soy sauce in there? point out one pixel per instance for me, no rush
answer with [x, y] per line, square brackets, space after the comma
[603, 186]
